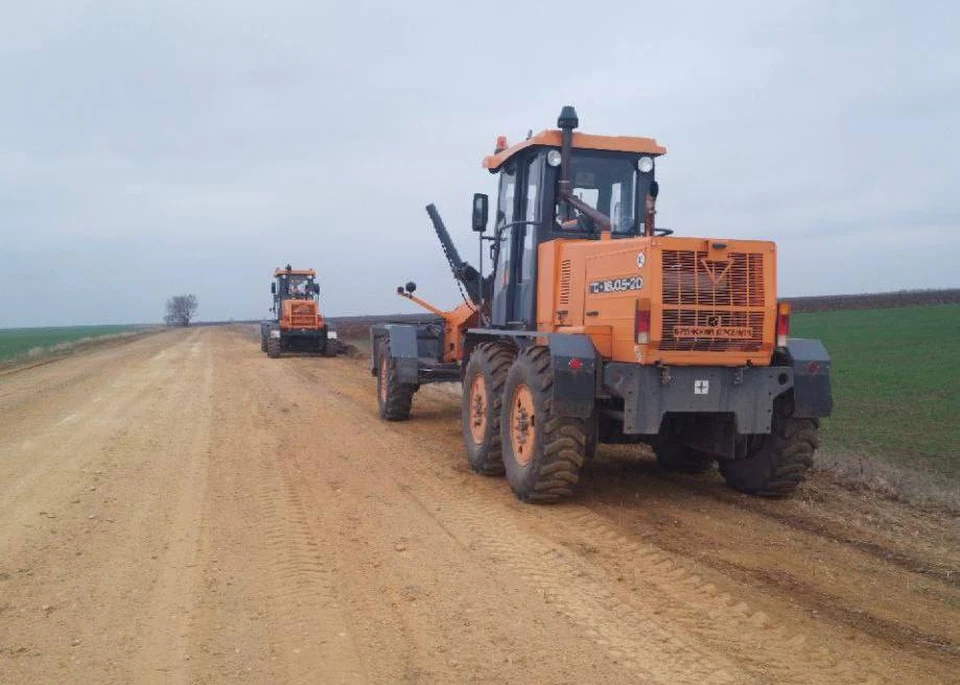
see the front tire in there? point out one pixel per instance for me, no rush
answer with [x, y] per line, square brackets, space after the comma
[776, 464]
[273, 347]
[542, 453]
[393, 397]
[481, 404]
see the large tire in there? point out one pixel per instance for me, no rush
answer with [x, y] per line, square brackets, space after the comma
[482, 400]
[675, 457]
[542, 453]
[331, 346]
[393, 397]
[263, 343]
[777, 463]
[273, 347]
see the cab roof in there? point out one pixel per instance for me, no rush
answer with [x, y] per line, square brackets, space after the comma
[294, 272]
[581, 141]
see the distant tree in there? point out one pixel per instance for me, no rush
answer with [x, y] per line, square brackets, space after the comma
[180, 309]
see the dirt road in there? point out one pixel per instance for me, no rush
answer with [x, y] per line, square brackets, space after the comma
[181, 509]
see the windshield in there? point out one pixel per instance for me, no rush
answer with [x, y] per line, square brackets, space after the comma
[298, 286]
[606, 183]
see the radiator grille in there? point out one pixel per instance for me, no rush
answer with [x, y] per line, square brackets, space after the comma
[712, 305]
[690, 278]
[303, 315]
[566, 275]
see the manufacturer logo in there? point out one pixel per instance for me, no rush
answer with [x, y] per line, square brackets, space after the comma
[716, 271]
[641, 260]
[616, 285]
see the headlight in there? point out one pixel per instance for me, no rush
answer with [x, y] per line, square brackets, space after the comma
[553, 158]
[645, 164]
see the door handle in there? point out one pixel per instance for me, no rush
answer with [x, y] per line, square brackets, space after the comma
[593, 312]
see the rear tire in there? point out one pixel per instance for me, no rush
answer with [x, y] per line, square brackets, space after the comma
[273, 347]
[393, 397]
[481, 403]
[777, 463]
[542, 453]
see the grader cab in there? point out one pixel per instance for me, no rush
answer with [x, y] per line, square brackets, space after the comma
[596, 325]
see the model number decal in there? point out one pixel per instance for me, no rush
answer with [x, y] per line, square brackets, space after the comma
[616, 285]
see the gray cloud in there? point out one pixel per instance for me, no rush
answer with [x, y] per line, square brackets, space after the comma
[150, 148]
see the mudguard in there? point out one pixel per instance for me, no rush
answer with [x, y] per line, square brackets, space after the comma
[574, 361]
[811, 377]
[403, 349]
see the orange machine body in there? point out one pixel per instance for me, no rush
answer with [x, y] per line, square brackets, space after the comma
[700, 301]
[581, 141]
[303, 314]
[455, 323]
[300, 314]
[294, 272]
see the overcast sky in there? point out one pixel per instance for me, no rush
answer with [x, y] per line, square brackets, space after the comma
[154, 148]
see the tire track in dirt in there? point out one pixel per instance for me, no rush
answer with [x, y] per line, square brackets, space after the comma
[902, 635]
[894, 632]
[815, 572]
[943, 572]
[172, 607]
[732, 622]
[302, 589]
[764, 646]
[266, 562]
[656, 651]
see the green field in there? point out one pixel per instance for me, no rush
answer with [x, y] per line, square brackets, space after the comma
[895, 382]
[18, 341]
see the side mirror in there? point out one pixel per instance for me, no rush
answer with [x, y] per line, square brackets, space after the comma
[316, 288]
[273, 288]
[654, 190]
[411, 287]
[481, 207]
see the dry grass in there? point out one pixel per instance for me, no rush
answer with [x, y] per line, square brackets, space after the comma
[890, 480]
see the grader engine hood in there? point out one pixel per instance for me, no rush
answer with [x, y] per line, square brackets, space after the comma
[675, 301]
[300, 314]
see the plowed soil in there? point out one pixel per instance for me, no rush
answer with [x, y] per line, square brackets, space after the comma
[182, 509]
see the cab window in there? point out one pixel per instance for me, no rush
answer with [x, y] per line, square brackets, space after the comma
[532, 213]
[505, 215]
[608, 184]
